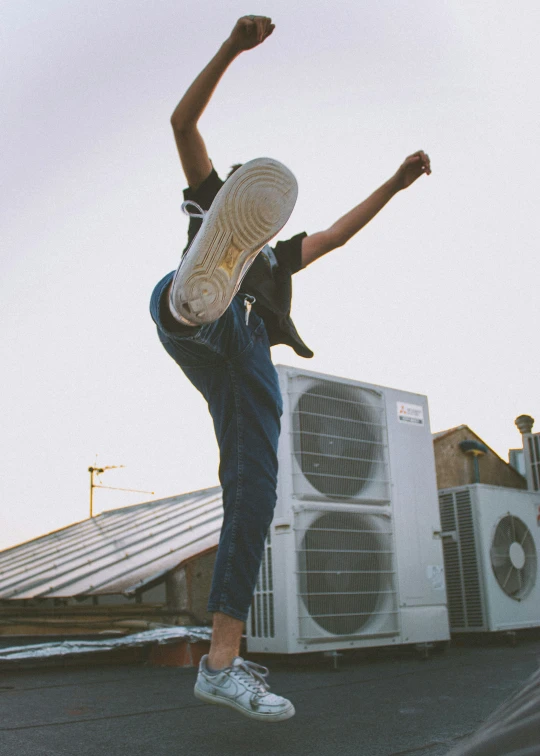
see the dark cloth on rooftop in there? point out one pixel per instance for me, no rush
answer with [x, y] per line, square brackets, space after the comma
[512, 730]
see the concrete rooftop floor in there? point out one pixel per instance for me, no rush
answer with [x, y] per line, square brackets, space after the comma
[388, 702]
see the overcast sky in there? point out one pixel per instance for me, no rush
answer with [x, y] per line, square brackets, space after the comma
[439, 295]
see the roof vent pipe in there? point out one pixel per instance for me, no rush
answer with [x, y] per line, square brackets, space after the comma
[476, 449]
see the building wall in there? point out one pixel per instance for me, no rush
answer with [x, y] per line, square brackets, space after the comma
[188, 587]
[199, 581]
[454, 468]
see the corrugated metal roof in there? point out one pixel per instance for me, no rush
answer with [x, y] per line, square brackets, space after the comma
[115, 552]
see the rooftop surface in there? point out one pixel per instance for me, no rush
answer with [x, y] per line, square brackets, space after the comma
[389, 702]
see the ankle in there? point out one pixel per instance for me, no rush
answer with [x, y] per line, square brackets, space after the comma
[220, 660]
[226, 640]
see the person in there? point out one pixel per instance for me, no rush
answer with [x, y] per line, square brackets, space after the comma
[217, 316]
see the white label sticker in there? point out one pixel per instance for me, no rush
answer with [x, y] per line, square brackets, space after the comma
[410, 413]
[435, 575]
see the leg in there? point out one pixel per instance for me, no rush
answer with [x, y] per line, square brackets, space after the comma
[229, 362]
[226, 638]
[246, 408]
[247, 420]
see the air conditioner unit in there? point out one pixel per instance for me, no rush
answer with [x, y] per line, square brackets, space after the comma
[353, 557]
[491, 543]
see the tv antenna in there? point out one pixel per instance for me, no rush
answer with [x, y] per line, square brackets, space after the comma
[99, 471]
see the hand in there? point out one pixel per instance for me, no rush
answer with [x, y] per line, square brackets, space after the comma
[250, 31]
[411, 169]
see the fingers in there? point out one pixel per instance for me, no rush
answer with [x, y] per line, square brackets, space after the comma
[422, 158]
[426, 163]
[259, 26]
[247, 25]
[260, 23]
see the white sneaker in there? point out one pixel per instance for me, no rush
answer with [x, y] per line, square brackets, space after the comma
[243, 687]
[249, 210]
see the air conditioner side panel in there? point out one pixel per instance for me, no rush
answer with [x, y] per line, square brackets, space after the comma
[415, 501]
[284, 487]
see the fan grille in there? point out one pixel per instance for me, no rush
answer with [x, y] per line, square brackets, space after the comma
[346, 574]
[340, 442]
[513, 557]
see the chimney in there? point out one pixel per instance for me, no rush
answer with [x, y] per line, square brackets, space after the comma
[524, 423]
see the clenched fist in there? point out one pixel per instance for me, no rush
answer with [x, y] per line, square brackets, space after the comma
[412, 168]
[250, 31]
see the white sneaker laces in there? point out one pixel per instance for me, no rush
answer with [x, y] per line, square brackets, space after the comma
[253, 675]
[185, 209]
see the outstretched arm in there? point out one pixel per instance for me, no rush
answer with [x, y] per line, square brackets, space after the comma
[317, 245]
[248, 32]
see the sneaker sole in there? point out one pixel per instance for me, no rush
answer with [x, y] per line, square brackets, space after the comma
[249, 210]
[219, 701]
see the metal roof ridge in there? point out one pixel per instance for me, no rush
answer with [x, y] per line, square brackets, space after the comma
[156, 501]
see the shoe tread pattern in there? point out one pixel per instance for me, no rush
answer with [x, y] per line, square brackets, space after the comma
[257, 202]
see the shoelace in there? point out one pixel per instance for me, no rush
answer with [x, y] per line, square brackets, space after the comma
[187, 211]
[191, 214]
[253, 675]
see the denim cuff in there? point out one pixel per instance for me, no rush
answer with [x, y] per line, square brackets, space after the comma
[225, 609]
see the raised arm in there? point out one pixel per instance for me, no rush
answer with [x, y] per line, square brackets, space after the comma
[317, 245]
[248, 32]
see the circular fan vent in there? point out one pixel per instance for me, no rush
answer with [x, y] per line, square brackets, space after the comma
[346, 570]
[513, 557]
[339, 439]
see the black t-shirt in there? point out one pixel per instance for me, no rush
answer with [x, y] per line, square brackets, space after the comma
[269, 277]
